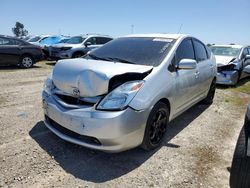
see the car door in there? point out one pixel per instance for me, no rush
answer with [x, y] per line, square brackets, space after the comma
[205, 68]
[185, 80]
[10, 51]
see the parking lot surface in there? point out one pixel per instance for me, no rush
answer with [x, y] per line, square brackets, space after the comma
[196, 152]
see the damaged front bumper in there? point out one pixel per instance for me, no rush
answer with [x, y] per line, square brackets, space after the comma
[109, 131]
[227, 77]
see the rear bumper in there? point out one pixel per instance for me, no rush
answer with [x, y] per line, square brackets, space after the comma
[100, 130]
[227, 77]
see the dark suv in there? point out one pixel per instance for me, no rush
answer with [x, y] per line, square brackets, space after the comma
[14, 51]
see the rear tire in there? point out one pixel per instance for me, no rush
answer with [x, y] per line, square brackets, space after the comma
[26, 61]
[156, 126]
[240, 170]
[210, 96]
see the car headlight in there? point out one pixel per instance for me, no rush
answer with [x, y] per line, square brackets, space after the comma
[48, 85]
[120, 97]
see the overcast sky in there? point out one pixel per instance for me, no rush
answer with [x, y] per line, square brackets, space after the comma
[213, 21]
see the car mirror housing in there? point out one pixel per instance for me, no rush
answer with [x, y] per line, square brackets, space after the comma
[187, 64]
[87, 44]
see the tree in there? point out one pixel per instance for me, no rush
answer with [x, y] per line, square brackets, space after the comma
[19, 30]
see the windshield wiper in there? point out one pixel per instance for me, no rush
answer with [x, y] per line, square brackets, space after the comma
[110, 59]
[98, 58]
[119, 60]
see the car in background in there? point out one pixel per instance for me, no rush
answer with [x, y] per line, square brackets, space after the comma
[77, 46]
[123, 94]
[233, 63]
[240, 169]
[45, 41]
[14, 51]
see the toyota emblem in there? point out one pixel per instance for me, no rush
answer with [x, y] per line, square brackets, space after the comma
[76, 92]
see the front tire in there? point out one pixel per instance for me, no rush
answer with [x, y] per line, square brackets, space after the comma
[156, 126]
[240, 170]
[26, 61]
[210, 96]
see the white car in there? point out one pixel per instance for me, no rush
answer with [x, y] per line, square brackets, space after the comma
[77, 46]
[233, 63]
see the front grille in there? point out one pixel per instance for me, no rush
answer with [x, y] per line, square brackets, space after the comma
[67, 132]
[73, 100]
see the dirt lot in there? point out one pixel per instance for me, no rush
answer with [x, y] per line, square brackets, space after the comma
[197, 151]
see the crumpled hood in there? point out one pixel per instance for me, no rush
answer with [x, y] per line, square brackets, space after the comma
[223, 60]
[90, 77]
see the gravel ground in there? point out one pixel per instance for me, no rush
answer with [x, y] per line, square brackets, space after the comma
[196, 152]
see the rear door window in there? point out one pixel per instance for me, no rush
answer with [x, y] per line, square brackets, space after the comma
[6, 41]
[102, 40]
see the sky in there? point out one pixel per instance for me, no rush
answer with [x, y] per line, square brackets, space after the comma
[212, 21]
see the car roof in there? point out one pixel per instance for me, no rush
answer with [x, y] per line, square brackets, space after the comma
[160, 35]
[228, 45]
[91, 35]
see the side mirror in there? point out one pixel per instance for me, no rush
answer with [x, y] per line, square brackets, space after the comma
[247, 69]
[247, 57]
[87, 44]
[187, 64]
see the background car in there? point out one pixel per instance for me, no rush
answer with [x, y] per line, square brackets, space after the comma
[45, 41]
[240, 170]
[232, 62]
[77, 46]
[14, 51]
[123, 94]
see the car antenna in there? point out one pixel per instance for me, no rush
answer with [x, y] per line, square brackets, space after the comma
[180, 28]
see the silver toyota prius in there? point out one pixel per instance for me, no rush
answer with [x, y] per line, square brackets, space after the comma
[124, 94]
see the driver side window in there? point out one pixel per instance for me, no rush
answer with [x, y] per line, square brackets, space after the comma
[245, 52]
[185, 51]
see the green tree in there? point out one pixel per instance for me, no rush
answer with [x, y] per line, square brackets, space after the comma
[19, 30]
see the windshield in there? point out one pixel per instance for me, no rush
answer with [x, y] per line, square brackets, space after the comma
[225, 51]
[135, 50]
[75, 40]
[50, 40]
[34, 39]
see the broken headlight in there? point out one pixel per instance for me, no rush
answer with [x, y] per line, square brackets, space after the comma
[48, 85]
[228, 67]
[120, 97]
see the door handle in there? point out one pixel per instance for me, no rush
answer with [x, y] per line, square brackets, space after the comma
[197, 74]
